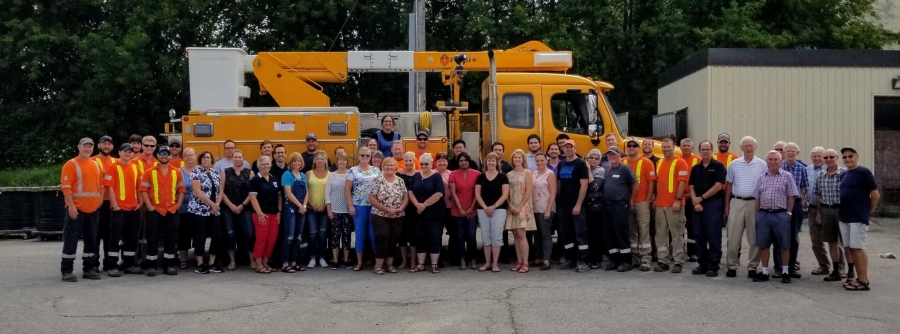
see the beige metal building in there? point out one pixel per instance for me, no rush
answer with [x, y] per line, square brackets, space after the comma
[828, 98]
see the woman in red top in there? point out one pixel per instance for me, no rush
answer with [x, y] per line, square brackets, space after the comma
[462, 190]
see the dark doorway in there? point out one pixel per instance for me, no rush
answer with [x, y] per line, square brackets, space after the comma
[887, 148]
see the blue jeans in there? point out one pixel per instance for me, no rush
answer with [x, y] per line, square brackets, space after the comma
[293, 227]
[363, 226]
[317, 222]
[708, 234]
[468, 245]
[244, 222]
[796, 223]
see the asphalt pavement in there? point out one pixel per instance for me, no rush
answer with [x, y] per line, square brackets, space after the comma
[33, 299]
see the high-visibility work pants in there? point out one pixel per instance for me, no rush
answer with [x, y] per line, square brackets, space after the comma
[88, 225]
[168, 225]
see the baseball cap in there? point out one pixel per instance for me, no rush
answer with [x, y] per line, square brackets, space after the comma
[725, 137]
[569, 142]
[422, 133]
[632, 140]
[174, 140]
[126, 147]
[848, 148]
[86, 140]
[106, 138]
[311, 136]
[614, 149]
[163, 148]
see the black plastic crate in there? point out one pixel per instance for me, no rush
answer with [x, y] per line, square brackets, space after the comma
[17, 209]
[51, 211]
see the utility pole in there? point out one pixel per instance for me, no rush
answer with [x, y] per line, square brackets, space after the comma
[417, 43]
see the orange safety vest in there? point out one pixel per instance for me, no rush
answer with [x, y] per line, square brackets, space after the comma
[728, 162]
[155, 178]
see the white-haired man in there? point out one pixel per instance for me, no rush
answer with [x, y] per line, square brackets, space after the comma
[740, 204]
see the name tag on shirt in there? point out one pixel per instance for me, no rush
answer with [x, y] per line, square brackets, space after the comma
[615, 176]
[275, 184]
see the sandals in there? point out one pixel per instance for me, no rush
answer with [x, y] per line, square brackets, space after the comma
[483, 268]
[288, 269]
[821, 271]
[357, 267]
[379, 271]
[183, 265]
[392, 270]
[524, 268]
[434, 269]
[518, 266]
[417, 268]
[495, 269]
[298, 267]
[263, 271]
[857, 286]
[231, 266]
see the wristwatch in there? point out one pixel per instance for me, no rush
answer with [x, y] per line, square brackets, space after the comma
[677, 198]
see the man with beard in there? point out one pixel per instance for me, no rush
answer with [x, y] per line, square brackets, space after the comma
[175, 147]
[104, 160]
[534, 147]
[647, 149]
[162, 190]
[724, 155]
[312, 145]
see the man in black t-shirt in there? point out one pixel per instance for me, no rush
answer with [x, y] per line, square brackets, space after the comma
[572, 174]
[705, 184]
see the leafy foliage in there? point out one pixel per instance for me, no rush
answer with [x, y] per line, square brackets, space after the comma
[77, 68]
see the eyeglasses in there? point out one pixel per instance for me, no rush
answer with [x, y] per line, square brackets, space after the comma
[365, 155]
[149, 145]
[164, 154]
[633, 146]
[174, 145]
[829, 158]
[422, 139]
[847, 157]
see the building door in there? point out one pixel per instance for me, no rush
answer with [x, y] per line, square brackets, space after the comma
[887, 148]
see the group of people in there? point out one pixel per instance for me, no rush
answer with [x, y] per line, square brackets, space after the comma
[624, 209]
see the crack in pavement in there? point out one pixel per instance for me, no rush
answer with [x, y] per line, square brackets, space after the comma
[400, 303]
[816, 305]
[287, 293]
[505, 299]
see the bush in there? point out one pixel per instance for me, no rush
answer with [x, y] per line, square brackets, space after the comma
[31, 177]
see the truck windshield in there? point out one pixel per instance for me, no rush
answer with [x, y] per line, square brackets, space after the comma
[623, 131]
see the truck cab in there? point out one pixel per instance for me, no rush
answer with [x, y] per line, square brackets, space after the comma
[549, 104]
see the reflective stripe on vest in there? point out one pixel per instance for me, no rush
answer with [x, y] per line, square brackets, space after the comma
[640, 162]
[671, 174]
[80, 185]
[716, 156]
[122, 181]
[156, 186]
[694, 162]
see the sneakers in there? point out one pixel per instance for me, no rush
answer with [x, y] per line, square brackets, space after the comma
[334, 266]
[676, 269]
[762, 278]
[786, 278]
[661, 267]
[69, 277]
[624, 267]
[201, 269]
[171, 271]
[214, 269]
[151, 272]
[323, 263]
[312, 263]
[582, 268]
[133, 270]
[645, 267]
[113, 272]
[91, 274]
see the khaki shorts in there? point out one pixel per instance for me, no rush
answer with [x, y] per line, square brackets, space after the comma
[830, 229]
[854, 235]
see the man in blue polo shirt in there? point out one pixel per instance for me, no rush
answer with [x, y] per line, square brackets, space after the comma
[859, 197]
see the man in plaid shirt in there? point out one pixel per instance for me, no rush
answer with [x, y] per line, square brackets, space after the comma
[775, 194]
[828, 200]
[801, 180]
